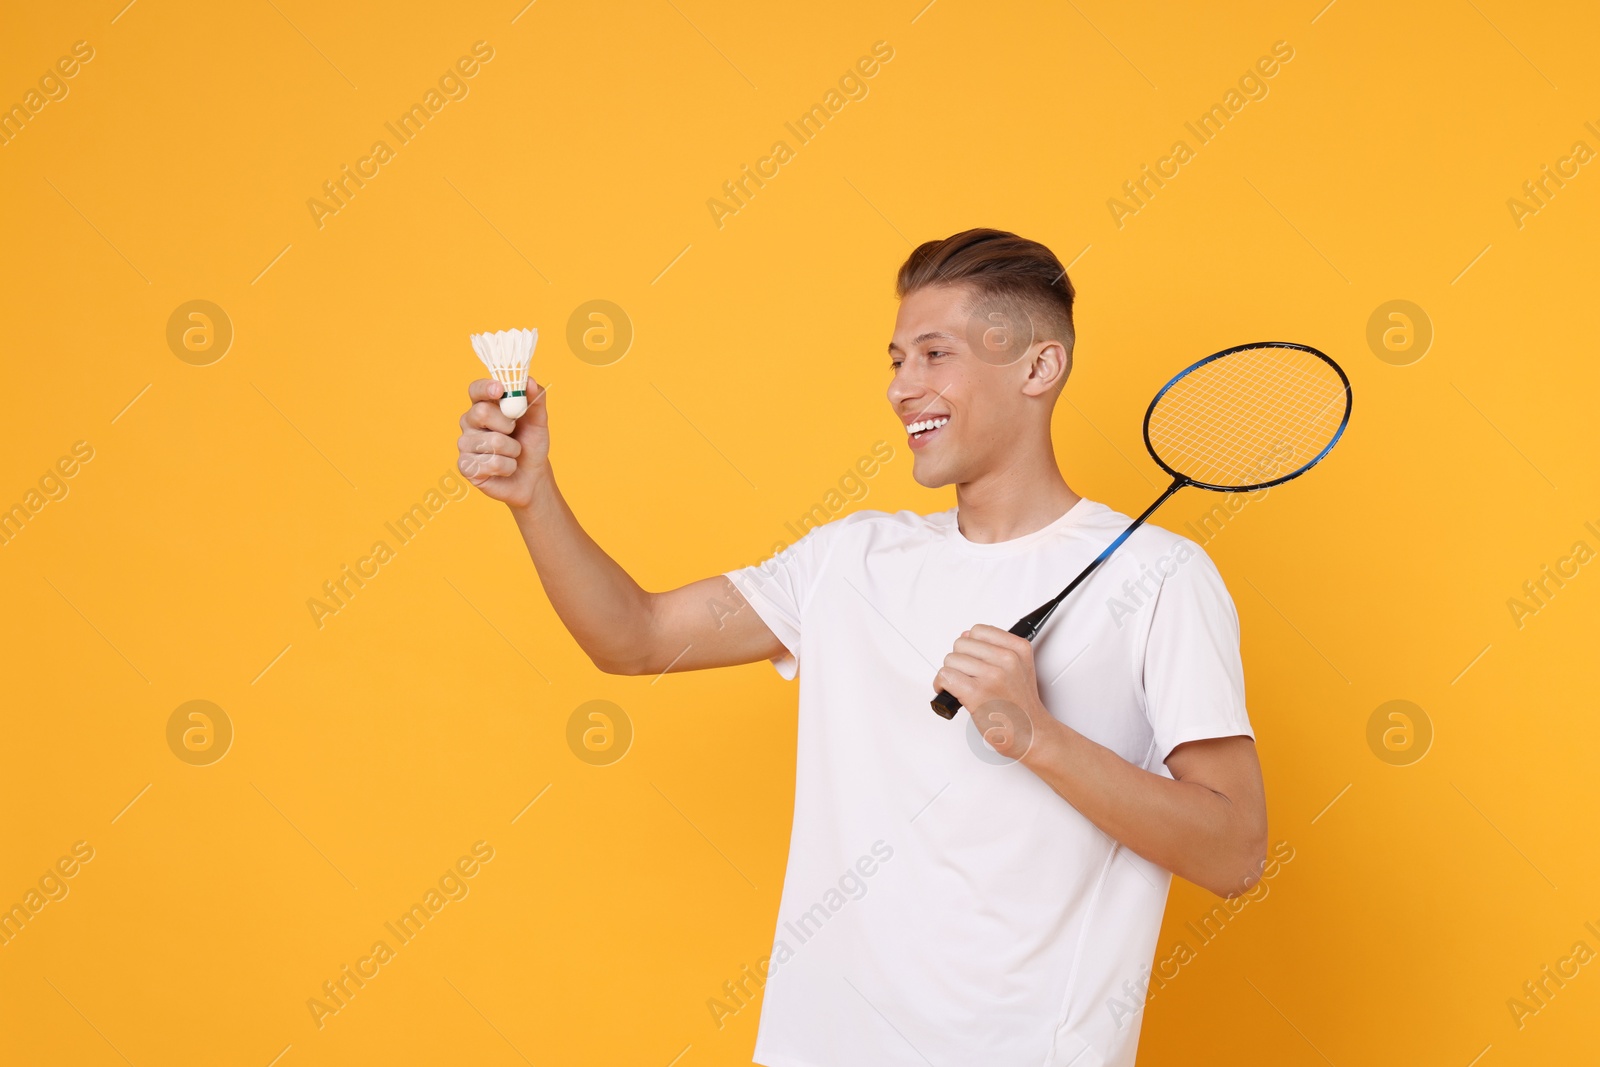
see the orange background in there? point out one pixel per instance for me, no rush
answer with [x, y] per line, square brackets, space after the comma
[371, 753]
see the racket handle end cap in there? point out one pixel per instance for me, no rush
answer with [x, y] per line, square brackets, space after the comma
[945, 704]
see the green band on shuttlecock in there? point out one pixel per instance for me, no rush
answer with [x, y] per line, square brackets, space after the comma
[516, 392]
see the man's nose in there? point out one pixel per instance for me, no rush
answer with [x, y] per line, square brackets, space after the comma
[906, 386]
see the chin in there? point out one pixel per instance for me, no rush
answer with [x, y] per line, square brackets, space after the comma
[930, 477]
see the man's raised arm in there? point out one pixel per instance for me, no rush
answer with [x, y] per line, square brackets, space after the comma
[620, 626]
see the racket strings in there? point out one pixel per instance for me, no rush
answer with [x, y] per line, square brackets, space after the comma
[1239, 416]
[1248, 417]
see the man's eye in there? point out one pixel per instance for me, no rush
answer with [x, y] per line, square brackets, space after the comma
[894, 364]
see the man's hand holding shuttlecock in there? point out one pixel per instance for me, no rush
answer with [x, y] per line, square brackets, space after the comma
[502, 455]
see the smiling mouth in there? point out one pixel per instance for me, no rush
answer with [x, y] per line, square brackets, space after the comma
[921, 432]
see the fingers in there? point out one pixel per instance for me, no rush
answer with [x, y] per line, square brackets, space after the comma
[484, 389]
[483, 442]
[967, 665]
[480, 468]
[951, 681]
[962, 680]
[485, 455]
[989, 652]
[982, 653]
[995, 636]
[485, 415]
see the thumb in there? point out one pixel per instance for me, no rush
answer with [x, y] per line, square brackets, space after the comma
[536, 401]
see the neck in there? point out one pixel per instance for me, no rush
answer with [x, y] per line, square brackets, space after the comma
[1028, 493]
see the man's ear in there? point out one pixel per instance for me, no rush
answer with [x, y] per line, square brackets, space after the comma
[1046, 369]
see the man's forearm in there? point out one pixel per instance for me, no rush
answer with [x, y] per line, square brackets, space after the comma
[604, 609]
[1190, 829]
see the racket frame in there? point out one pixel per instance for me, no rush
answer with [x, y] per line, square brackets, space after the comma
[946, 704]
[1349, 400]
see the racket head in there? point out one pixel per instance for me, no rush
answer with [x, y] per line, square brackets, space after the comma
[1226, 422]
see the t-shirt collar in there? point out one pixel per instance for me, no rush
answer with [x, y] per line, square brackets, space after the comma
[1075, 514]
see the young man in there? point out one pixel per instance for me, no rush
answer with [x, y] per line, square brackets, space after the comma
[955, 899]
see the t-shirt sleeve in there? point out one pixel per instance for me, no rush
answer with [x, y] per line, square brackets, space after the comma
[778, 588]
[1193, 674]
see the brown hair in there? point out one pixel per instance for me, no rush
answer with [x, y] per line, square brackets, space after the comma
[1004, 270]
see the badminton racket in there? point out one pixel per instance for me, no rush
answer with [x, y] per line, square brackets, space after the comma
[1232, 423]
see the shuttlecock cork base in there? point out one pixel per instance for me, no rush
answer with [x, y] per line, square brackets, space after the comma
[507, 354]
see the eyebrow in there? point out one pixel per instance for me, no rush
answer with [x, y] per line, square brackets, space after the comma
[921, 338]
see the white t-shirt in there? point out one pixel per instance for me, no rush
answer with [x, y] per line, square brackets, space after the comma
[943, 905]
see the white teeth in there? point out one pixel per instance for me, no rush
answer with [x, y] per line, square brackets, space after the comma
[927, 424]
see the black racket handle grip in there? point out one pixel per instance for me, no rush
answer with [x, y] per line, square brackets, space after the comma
[945, 705]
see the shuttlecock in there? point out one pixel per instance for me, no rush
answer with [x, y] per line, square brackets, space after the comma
[506, 354]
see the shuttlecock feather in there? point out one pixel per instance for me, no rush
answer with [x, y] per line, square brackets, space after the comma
[506, 354]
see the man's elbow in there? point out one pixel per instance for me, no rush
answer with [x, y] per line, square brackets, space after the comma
[629, 645]
[1245, 864]
[624, 665]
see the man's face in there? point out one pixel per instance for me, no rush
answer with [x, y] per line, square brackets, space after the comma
[959, 377]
